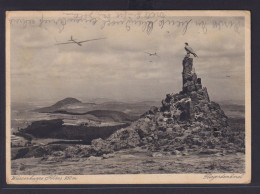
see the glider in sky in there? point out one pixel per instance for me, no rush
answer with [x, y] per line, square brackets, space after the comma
[79, 43]
[152, 54]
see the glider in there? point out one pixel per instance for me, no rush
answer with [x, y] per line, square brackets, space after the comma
[152, 54]
[79, 43]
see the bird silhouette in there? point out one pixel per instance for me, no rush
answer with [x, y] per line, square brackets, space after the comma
[189, 50]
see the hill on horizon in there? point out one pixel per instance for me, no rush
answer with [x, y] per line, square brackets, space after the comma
[75, 107]
[59, 104]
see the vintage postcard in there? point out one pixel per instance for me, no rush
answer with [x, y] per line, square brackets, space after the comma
[128, 97]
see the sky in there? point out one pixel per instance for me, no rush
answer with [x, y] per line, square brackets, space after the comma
[118, 67]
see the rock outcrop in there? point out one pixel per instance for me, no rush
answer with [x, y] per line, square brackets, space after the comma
[189, 77]
[186, 122]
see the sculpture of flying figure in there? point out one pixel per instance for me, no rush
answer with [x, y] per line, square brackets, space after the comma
[189, 50]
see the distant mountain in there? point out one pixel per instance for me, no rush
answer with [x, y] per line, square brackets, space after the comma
[59, 104]
[66, 101]
[234, 102]
[234, 110]
[73, 106]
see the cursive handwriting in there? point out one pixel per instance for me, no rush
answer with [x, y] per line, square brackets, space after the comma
[145, 21]
[37, 178]
[212, 177]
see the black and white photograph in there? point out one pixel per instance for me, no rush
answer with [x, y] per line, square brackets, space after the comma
[128, 97]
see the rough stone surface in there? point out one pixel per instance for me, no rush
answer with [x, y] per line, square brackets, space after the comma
[189, 77]
[186, 122]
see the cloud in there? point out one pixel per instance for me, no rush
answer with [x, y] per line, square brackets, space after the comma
[118, 66]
